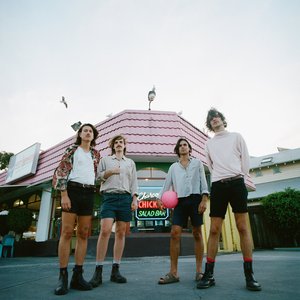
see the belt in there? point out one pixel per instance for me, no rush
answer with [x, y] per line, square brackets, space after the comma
[81, 185]
[230, 179]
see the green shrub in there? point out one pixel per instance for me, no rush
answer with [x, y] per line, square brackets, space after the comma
[19, 220]
[282, 211]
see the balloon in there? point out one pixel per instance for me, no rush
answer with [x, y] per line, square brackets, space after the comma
[169, 199]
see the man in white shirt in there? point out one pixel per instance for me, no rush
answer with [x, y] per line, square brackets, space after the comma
[187, 178]
[228, 161]
[120, 190]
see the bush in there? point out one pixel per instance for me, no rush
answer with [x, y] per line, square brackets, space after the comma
[19, 220]
[282, 211]
[3, 225]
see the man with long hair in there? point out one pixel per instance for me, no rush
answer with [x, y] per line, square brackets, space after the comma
[187, 178]
[119, 190]
[75, 179]
[228, 161]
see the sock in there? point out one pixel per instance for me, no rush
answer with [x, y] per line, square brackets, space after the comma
[99, 263]
[247, 259]
[210, 260]
[117, 262]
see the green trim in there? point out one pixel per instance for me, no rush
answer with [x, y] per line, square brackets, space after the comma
[145, 165]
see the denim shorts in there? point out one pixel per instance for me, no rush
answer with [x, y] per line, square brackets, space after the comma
[188, 207]
[82, 201]
[116, 206]
[222, 193]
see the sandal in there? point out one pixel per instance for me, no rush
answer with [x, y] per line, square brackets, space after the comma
[198, 276]
[169, 278]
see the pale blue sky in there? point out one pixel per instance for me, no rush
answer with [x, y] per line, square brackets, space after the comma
[242, 57]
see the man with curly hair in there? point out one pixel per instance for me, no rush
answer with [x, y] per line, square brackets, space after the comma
[228, 161]
[75, 179]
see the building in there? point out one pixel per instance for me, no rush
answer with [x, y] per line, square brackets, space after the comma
[151, 137]
[271, 173]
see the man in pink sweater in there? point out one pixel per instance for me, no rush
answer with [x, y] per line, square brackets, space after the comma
[228, 161]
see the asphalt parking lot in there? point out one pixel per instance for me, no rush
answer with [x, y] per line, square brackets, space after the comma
[277, 270]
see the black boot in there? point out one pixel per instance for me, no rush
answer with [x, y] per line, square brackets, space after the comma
[116, 276]
[251, 283]
[77, 281]
[97, 277]
[62, 286]
[208, 277]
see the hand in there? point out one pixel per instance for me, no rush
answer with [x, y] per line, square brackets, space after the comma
[65, 201]
[160, 204]
[203, 204]
[115, 171]
[134, 205]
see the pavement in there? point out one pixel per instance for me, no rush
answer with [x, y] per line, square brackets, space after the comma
[278, 271]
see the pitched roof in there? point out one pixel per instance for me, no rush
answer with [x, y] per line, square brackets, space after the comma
[151, 137]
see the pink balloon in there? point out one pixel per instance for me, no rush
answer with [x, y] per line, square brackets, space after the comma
[169, 199]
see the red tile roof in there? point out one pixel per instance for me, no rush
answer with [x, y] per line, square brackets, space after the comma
[151, 137]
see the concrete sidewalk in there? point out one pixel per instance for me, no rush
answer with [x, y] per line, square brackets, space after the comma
[36, 277]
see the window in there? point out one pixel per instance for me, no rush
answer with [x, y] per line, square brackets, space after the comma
[266, 160]
[276, 170]
[258, 173]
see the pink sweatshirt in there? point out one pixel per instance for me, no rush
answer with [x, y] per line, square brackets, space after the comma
[227, 155]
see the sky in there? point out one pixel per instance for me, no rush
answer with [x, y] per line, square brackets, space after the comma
[239, 56]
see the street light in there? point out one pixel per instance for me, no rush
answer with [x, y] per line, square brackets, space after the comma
[76, 125]
[151, 96]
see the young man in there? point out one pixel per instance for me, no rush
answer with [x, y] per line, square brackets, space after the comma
[187, 178]
[119, 190]
[228, 161]
[75, 179]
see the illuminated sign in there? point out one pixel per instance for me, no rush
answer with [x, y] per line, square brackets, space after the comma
[23, 164]
[148, 208]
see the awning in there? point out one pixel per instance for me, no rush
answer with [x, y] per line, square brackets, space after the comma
[14, 191]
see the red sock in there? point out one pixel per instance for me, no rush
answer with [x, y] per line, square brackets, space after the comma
[210, 260]
[247, 259]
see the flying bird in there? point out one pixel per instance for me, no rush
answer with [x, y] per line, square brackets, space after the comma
[64, 101]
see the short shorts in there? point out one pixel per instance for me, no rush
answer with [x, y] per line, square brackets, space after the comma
[222, 193]
[188, 207]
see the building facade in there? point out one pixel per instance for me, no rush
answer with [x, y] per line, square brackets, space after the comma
[151, 137]
[271, 173]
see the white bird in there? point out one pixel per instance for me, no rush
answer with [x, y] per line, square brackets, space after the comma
[64, 101]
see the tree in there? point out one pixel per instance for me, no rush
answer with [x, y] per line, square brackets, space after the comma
[282, 211]
[4, 159]
[19, 220]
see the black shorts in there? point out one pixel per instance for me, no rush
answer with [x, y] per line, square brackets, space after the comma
[116, 206]
[222, 193]
[188, 207]
[82, 201]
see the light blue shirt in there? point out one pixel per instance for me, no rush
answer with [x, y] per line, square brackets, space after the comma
[186, 181]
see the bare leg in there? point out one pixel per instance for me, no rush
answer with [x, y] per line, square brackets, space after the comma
[199, 248]
[214, 236]
[175, 248]
[119, 240]
[68, 223]
[102, 244]
[83, 227]
[245, 235]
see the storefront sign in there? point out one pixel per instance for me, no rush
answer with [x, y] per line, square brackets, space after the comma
[23, 164]
[149, 210]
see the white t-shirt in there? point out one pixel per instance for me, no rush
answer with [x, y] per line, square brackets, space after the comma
[83, 167]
